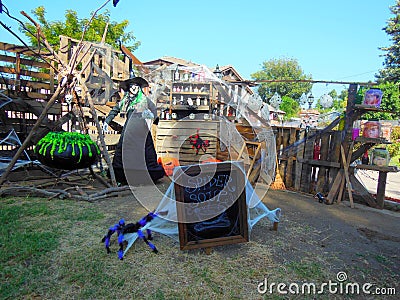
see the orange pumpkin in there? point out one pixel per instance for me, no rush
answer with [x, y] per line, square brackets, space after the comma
[168, 163]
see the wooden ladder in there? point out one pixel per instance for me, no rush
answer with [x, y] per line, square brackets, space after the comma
[247, 145]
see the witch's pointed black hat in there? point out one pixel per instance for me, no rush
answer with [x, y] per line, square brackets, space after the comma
[139, 81]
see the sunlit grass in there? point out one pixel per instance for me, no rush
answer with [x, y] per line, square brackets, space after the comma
[52, 250]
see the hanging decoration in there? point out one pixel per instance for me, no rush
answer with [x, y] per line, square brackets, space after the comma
[275, 100]
[265, 112]
[198, 143]
[255, 102]
[67, 150]
[326, 101]
[303, 99]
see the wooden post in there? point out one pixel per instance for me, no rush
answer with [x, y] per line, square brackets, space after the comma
[305, 183]
[335, 186]
[380, 194]
[346, 174]
[321, 185]
[334, 156]
[99, 130]
[275, 226]
[208, 250]
[290, 160]
[299, 165]
[18, 73]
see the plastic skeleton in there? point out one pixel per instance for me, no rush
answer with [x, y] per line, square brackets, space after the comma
[121, 228]
[198, 143]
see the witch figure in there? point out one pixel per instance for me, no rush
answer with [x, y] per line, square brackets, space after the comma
[135, 158]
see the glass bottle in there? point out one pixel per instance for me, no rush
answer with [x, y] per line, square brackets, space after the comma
[198, 102]
[365, 158]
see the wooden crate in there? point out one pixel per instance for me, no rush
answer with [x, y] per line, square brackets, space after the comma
[173, 139]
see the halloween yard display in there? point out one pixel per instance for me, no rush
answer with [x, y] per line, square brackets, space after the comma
[135, 154]
[67, 150]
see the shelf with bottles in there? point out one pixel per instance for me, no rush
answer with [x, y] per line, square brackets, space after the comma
[191, 88]
[183, 107]
[190, 101]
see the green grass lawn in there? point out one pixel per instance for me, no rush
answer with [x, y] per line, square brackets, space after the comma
[51, 249]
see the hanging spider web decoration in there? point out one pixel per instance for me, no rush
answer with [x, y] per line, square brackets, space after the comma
[303, 99]
[276, 100]
[265, 112]
[255, 102]
[326, 101]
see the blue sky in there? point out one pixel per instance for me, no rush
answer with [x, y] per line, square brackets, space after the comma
[332, 40]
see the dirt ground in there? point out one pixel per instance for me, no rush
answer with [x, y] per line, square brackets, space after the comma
[362, 242]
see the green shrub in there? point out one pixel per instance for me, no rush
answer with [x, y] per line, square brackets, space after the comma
[394, 148]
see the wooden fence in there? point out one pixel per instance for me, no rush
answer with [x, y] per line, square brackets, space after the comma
[308, 161]
[301, 165]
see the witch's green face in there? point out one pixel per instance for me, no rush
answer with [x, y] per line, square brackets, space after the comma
[133, 90]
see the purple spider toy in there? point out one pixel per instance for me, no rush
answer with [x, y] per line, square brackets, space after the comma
[121, 228]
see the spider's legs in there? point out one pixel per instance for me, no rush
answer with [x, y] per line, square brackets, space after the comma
[149, 236]
[141, 235]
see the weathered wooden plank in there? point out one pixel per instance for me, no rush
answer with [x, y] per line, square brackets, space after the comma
[299, 165]
[335, 186]
[246, 131]
[21, 49]
[185, 147]
[179, 144]
[182, 133]
[305, 185]
[319, 163]
[362, 191]
[289, 166]
[322, 178]
[346, 174]
[55, 109]
[25, 73]
[26, 83]
[184, 124]
[24, 61]
[334, 155]
[109, 139]
[379, 168]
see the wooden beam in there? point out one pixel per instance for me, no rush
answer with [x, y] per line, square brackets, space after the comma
[22, 50]
[24, 61]
[346, 174]
[319, 163]
[25, 73]
[135, 60]
[335, 187]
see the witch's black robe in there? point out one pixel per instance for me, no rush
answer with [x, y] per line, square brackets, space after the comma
[135, 158]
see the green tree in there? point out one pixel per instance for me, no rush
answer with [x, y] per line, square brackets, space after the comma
[73, 27]
[290, 106]
[282, 69]
[391, 71]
